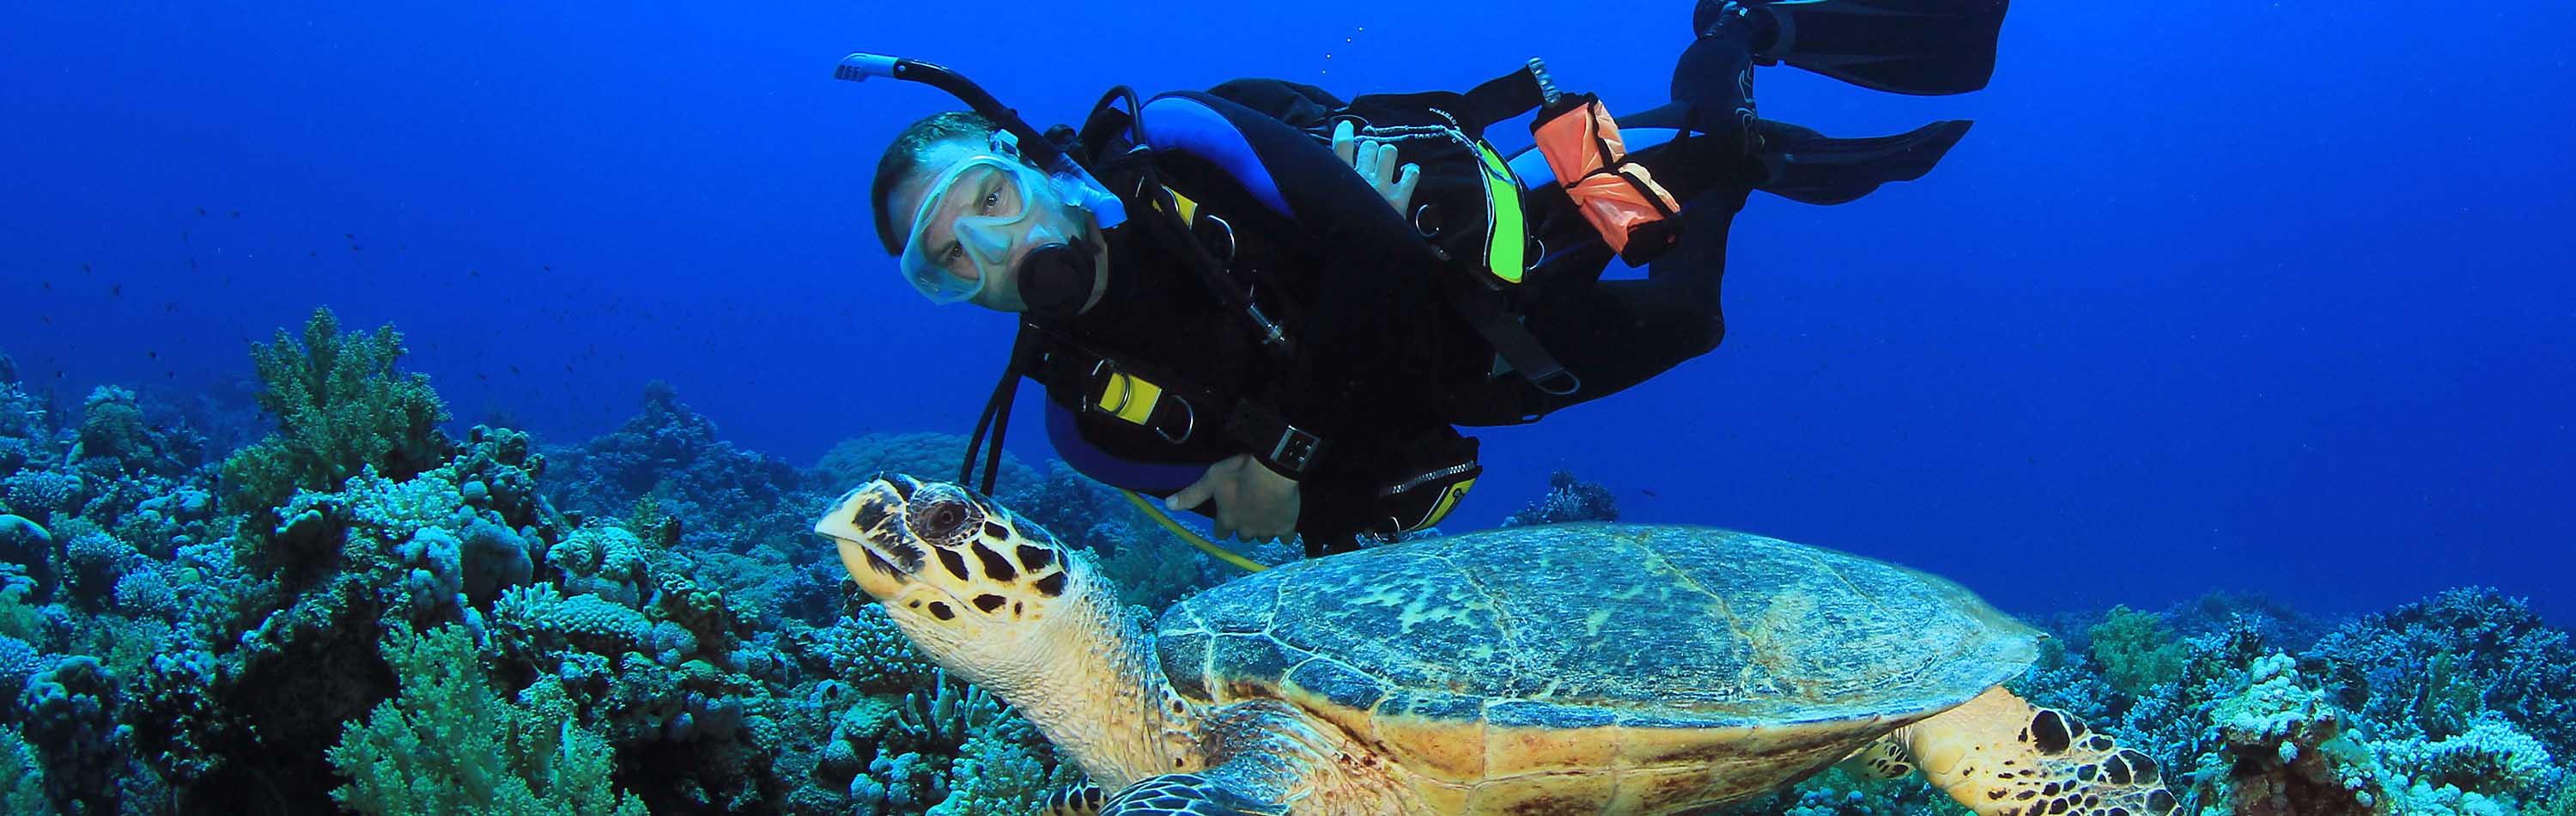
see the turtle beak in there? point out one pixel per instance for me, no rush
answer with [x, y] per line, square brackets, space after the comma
[867, 526]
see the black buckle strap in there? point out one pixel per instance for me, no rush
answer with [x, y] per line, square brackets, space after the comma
[1509, 95]
[1285, 448]
[1172, 408]
[1483, 310]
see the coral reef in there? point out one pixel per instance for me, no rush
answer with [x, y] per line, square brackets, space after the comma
[672, 454]
[2135, 650]
[448, 744]
[340, 408]
[360, 611]
[1567, 499]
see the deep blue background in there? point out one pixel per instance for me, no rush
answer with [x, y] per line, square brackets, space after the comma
[2267, 296]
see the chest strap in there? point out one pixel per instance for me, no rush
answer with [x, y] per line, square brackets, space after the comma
[1173, 409]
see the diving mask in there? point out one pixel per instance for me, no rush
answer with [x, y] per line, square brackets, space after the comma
[979, 218]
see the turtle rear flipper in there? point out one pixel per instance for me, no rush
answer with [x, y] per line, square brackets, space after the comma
[2002, 756]
[1184, 794]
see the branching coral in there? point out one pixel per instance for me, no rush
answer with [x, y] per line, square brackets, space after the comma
[449, 744]
[2431, 667]
[1567, 499]
[341, 407]
[672, 454]
[2135, 650]
[865, 651]
[18, 762]
[112, 428]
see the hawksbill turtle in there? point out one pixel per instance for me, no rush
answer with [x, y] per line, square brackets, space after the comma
[1581, 668]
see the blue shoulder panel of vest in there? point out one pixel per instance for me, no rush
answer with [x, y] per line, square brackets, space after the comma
[1193, 124]
[1090, 460]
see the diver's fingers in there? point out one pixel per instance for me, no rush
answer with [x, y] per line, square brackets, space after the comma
[1345, 142]
[1192, 496]
[1385, 175]
[1402, 195]
[1366, 164]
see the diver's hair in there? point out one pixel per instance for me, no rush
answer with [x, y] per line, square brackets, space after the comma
[903, 158]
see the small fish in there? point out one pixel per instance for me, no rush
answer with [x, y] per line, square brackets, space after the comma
[349, 236]
[169, 307]
[201, 211]
[169, 374]
[118, 289]
[1649, 493]
[514, 369]
[236, 213]
[154, 354]
[49, 285]
[546, 267]
[474, 272]
[482, 376]
[49, 319]
[355, 247]
[567, 368]
[84, 268]
[312, 254]
[192, 263]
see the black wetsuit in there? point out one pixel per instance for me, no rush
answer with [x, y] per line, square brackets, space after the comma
[1384, 365]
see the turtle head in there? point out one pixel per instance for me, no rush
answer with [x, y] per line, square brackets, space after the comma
[965, 580]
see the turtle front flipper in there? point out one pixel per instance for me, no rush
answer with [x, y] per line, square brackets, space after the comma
[1883, 758]
[1185, 794]
[2002, 756]
[1079, 800]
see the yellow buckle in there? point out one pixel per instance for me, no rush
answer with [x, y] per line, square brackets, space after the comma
[1132, 399]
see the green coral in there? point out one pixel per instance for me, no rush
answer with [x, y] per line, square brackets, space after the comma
[340, 408]
[19, 618]
[112, 427]
[449, 744]
[2136, 651]
[19, 762]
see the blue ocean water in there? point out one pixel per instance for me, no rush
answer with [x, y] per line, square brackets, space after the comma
[2269, 297]
[2273, 297]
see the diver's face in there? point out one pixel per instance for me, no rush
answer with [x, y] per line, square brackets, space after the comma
[988, 215]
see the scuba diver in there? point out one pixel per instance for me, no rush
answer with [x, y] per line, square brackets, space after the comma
[1273, 307]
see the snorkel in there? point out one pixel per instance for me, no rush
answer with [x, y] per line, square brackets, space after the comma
[1056, 276]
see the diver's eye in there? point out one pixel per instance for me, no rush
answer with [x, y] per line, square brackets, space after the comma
[992, 201]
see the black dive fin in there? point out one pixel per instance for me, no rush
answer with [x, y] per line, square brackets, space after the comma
[1804, 165]
[1921, 47]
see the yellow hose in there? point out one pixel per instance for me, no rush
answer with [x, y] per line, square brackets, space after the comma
[1186, 534]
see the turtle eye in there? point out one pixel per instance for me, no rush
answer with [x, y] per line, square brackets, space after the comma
[942, 519]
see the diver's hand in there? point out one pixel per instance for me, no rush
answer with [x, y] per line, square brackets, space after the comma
[1375, 161]
[1252, 501]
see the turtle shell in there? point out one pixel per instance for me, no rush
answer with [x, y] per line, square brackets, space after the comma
[1642, 668]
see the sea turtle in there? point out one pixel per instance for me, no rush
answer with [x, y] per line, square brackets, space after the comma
[1581, 668]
